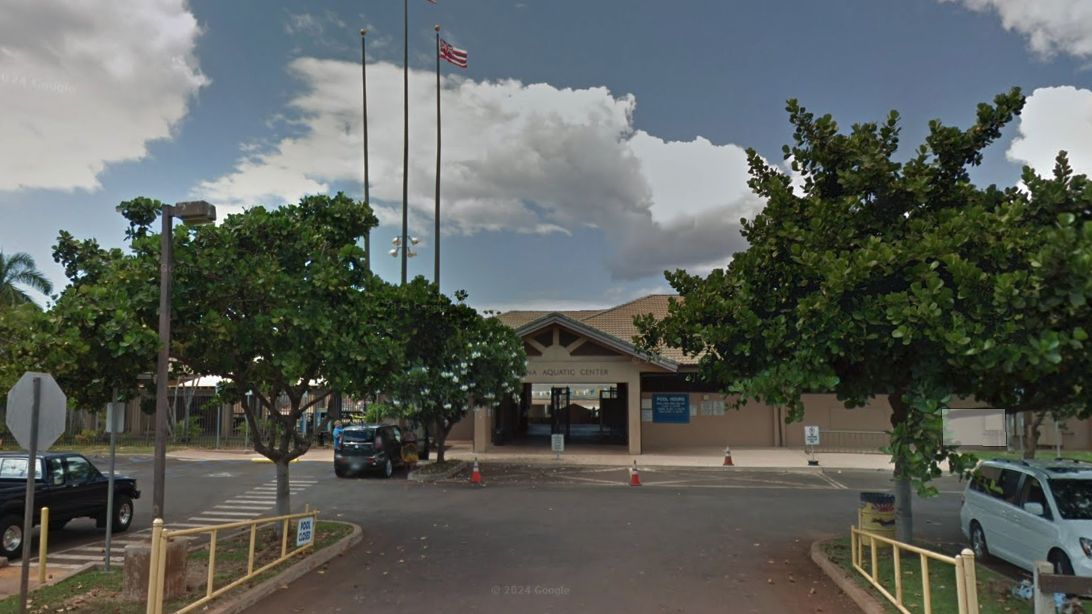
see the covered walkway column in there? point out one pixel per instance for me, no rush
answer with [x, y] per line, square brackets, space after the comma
[483, 418]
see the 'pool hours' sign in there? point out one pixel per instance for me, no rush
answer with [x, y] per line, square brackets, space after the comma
[671, 408]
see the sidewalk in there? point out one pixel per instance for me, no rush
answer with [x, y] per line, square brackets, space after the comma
[10, 576]
[605, 455]
[590, 454]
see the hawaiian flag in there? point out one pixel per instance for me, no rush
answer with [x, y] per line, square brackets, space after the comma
[452, 54]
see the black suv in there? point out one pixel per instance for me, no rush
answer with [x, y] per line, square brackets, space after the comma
[69, 485]
[368, 447]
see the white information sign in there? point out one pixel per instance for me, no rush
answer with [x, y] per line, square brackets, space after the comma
[811, 435]
[115, 417]
[557, 442]
[305, 531]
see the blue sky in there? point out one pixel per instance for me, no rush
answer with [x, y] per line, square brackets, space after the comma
[588, 147]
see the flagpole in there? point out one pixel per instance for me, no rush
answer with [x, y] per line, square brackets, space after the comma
[364, 82]
[405, 137]
[437, 254]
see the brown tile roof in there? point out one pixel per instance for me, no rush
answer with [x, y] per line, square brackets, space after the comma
[615, 321]
[516, 319]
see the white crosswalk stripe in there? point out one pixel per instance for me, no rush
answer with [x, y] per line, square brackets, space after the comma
[253, 503]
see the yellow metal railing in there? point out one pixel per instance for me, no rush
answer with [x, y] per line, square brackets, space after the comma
[161, 536]
[963, 568]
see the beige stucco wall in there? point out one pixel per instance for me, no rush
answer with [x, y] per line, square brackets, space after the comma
[828, 413]
[463, 429]
[751, 425]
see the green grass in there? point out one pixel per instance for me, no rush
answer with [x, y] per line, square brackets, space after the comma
[994, 596]
[98, 592]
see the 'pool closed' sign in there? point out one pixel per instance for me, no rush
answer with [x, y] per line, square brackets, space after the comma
[305, 531]
[671, 408]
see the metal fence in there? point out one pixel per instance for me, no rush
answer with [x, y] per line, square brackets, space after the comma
[195, 419]
[162, 536]
[962, 568]
[853, 441]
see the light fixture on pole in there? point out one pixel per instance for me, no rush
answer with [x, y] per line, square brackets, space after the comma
[397, 243]
[191, 212]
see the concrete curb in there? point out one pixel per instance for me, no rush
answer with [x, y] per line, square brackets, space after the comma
[652, 468]
[267, 588]
[860, 595]
[435, 477]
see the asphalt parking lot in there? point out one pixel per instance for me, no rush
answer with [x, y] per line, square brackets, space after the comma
[552, 539]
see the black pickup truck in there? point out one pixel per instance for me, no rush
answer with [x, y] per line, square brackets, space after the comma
[69, 485]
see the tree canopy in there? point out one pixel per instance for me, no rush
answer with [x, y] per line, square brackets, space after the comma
[876, 277]
[458, 360]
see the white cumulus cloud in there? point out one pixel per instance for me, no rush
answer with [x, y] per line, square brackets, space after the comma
[1050, 26]
[1055, 119]
[85, 84]
[528, 158]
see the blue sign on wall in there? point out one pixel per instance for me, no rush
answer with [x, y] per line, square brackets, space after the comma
[671, 408]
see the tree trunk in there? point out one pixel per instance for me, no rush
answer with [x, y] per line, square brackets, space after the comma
[441, 437]
[904, 496]
[1031, 433]
[284, 501]
[904, 500]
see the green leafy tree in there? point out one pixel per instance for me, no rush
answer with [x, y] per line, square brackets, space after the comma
[17, 273]
[840, 277]
[279, 304]
[467, 361]
[101, 334]
[1020, 265]
[18, 329]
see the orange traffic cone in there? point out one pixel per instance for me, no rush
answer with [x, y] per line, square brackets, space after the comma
[634, 475]
[476, 473]
[728, 457]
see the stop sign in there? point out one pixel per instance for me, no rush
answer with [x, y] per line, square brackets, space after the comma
[52, 410]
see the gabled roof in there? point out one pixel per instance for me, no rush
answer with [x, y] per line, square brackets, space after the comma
[600, 336]
[616, 322]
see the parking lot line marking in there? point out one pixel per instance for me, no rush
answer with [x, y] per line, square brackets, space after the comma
[224, 513]
[229, 506]
[214, 520]
[833, 482]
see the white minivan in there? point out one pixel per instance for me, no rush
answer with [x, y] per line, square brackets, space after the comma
[1027, 511]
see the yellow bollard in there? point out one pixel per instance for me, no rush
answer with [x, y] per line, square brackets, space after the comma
[43, 546]
[971, 583]
[153, 566]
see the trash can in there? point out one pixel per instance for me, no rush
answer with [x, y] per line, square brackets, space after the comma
[876, 514]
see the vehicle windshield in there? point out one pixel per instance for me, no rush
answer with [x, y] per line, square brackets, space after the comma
[1074, 498]
[365, 436]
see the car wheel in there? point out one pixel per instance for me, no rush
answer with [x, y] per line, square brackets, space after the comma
[11, 537]
[339, 471]
[388, 469]
[123, 513]
[1061, 563]
[978, 542]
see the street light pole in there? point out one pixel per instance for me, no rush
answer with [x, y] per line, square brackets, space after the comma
[194, 212]
[159, 475]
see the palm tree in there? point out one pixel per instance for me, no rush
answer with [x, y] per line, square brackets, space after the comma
[19, 270]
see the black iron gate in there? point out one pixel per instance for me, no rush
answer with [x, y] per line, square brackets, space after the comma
[559, 411]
